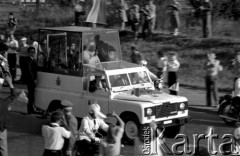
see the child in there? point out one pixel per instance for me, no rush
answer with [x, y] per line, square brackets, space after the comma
[172, 69]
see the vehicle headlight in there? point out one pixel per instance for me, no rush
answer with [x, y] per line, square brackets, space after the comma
[149, 111]
[182, 106]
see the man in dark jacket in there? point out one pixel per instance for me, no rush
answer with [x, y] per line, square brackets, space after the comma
[31, 78]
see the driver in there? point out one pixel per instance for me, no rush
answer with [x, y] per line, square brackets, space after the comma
[88, 132]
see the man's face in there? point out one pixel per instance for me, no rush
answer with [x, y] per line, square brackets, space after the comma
[31, 52]
[73, 46]
[238, 57]
[67, 111]
[2, 37]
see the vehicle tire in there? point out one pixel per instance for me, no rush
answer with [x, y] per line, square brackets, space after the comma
[171, 132]
[225, 110]
[131, 128]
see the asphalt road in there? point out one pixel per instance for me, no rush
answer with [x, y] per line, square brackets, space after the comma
[24, 132]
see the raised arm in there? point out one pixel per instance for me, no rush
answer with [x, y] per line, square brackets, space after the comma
[121, 123]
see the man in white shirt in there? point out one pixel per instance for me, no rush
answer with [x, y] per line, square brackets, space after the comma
[88, 131]
[54, 134]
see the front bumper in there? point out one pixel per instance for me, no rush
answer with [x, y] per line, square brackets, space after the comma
[173, 122]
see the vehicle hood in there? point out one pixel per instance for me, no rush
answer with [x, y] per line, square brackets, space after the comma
[153, 98]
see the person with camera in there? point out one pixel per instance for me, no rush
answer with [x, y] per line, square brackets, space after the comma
[89, 137]
[54, 134]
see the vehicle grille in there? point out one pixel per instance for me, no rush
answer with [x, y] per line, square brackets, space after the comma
[166, 109]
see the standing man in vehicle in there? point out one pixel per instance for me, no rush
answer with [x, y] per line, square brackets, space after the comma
[88, 132]
[31, 78]
[90, 55]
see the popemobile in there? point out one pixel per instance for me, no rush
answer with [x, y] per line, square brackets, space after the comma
[115, 84]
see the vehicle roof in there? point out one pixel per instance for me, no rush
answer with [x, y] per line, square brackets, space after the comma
[74, 29]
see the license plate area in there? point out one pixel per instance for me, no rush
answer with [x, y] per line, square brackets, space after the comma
[167, 122]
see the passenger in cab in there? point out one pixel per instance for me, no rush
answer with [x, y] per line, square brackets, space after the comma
[90, 54]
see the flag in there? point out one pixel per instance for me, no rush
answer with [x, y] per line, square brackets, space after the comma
[174, 87]
[97, 13]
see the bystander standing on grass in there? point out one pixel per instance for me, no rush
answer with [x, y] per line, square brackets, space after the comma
[212, 67]
[12, 23]
[136, 56]
[161, 65]
[206, 9]
[172, 69]
[175, 17]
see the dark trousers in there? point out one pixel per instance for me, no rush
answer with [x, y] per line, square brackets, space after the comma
[3, 143]
[172, 79]
[207, 25]
[211, 83]
[78, 22]
[52, 152]
[86, 148]
[31, 91]
[146, 26]
[12, 58]
[23, 67]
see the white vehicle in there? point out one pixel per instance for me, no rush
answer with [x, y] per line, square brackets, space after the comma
[125, 88]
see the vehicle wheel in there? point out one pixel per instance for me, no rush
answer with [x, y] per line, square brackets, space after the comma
[131, 129]
[171, 132]
[228, 111]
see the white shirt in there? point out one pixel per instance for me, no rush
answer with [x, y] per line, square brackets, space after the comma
[89, 128]
[173, 66]
[237, 88]
[35, 45]
[13, 45]
[54, 136]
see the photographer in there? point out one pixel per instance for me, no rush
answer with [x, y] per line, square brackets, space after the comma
[89, 140]
[54, 134]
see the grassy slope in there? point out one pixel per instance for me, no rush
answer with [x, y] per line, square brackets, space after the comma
[192, 55]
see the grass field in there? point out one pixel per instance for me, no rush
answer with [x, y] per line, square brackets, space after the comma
[191, 54]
